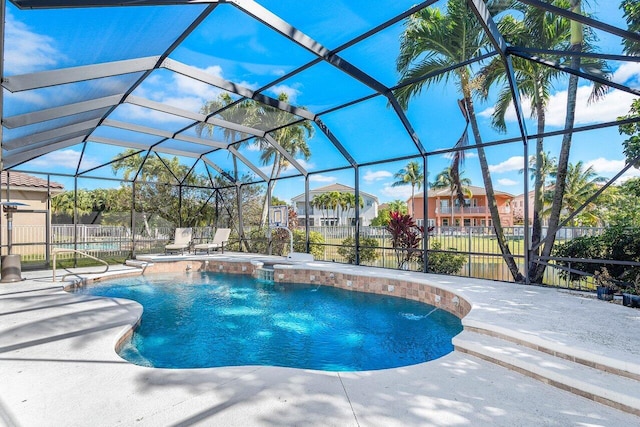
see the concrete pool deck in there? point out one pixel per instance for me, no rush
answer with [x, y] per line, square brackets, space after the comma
[58, 367]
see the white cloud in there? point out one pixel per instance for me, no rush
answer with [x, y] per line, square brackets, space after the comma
[514, 163]
[628, 73]
[614, 104]
[507, 182]
[322, 178]
[26, 51]
[608, 168]
[402, 192]
[147, 114]
[291, 92]
[372, 176]
[65, 159]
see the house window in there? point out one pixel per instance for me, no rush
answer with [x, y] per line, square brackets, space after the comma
[369, 203]
[467, 222]
[445, 222]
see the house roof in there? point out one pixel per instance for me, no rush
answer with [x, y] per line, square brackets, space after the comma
[476, 191]
[334, 187]
[19, 179]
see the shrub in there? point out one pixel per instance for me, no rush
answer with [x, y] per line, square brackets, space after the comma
[618, 242]
[405, 238]
[443, 262]
[367, 249]
[316, 241]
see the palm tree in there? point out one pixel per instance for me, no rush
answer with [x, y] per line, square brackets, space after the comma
[445, 179]
[580, 185]
[538, 29]
[398, 206]
[412, 175]
[349, 202]
[292, 138]
[243, 113]
[577, 45]
[433, 41]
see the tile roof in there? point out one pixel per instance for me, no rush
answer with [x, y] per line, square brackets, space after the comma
[19, 179]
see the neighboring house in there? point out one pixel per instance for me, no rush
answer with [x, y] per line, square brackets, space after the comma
[474, 213]
[29, 221]
[517, 204]
[330, 217]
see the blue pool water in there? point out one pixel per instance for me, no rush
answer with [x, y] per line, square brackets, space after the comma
[199, 320]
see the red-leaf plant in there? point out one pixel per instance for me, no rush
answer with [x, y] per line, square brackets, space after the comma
[406, 237]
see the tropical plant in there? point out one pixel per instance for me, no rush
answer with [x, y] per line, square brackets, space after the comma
[382, 219]
[432, 42]
[631, 145]
[537, 29]
[581, 184]
[412, 175]
[367, 249]
[458, 188]
[442, 262]
[406, 238]
[292, 138]
[631, 9]
[242, 112]
[576, 47]
[316, 243]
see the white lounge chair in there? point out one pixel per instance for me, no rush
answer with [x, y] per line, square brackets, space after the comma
[219, 239]
[181, 241]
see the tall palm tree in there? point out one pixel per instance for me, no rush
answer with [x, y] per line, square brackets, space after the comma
[433, 41]
[580, 185]
[446, 180]
[349, 203]
[538, 29]
[292, 138]
[412, 175]
[242, 113]
[398, 206]
[577, 46]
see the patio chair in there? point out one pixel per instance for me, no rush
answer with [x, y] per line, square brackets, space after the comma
[219, 239]
[181, 241]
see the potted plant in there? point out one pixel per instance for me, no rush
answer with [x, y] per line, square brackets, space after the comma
[605, 287]
[631, 294]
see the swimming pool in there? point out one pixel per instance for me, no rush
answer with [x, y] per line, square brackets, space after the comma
[197, 320]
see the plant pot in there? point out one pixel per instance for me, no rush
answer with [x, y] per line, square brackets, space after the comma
[605, 293]
[631, 300]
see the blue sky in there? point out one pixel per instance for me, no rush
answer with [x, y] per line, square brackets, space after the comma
[235, 47]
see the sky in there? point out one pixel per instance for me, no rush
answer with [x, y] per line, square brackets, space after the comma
[235, 47]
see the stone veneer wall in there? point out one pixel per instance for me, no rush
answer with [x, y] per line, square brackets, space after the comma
[377, 285]
[425, 293]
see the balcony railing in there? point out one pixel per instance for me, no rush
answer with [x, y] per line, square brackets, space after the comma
[470, 210]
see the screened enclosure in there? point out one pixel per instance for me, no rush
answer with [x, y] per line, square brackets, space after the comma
[463, 137]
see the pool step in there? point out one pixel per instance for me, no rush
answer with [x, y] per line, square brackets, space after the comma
[598, 385]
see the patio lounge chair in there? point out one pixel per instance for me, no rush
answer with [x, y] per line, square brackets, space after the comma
[219, 239]
[181, 241]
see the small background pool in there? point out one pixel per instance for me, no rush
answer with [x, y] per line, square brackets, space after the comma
[198, 320]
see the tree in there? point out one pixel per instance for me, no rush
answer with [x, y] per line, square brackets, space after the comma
[406, 237]
[631, 145]
[384, 212]
[631, 9]
[538, 29]
[412, 175]
[445, 180]
[431, 42]
[242, 112]
[581, 184]
[292, 138]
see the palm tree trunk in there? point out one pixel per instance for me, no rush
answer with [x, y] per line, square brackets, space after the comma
[536, 227]
[275, 172]
[488, 185]
[563, 158]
